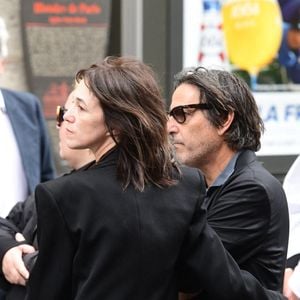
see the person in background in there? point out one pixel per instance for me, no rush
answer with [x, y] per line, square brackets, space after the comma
[22, 219]
[289, 52]
[215, 126]
[131, 226]
[292, 272]
[25, 155]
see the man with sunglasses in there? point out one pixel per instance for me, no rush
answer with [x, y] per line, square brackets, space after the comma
[214, 125]
[18, 251]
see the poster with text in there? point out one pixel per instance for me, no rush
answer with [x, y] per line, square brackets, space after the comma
[249, 38]
[61, 37]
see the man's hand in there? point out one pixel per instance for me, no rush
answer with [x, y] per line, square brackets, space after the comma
[13, 266]
[287, 292]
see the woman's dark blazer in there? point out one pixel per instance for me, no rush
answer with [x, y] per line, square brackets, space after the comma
[98, 241]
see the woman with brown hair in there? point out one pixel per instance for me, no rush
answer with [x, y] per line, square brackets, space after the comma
[130, 226]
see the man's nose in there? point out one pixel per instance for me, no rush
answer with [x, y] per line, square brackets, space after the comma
[171, 125]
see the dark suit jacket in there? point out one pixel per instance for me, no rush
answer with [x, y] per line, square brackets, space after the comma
[98, 241]
[25, 113]
[249, 212]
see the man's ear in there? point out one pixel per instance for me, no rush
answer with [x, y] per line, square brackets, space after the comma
[226, 123]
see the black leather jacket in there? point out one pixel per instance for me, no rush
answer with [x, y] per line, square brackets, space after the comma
[22, 218]
[249, 213]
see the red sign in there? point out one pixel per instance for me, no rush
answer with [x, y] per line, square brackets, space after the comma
[60, 37]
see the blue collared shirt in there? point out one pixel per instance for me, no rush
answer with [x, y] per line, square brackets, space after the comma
[222, 178]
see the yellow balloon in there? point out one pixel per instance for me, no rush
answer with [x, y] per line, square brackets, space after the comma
[253, 32]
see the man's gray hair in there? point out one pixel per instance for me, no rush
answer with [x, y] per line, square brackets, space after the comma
[3, 39]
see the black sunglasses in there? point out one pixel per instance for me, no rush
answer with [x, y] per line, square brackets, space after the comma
[179, 113]
[60, 111]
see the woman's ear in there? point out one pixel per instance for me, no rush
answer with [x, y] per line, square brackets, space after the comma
[114, 133]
